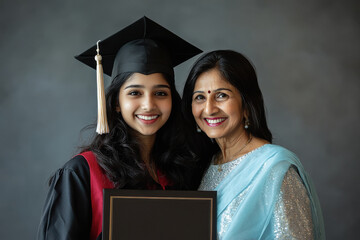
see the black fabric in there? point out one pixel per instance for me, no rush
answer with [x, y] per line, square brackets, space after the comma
[67, 213]
[67, 210]
[144, 56]
[165, 50]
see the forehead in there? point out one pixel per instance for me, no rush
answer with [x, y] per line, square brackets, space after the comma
[212, 80]
[146, 80]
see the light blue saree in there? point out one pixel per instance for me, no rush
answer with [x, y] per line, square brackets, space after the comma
[248, 195]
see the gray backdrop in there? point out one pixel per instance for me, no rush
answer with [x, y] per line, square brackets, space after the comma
[307, 59]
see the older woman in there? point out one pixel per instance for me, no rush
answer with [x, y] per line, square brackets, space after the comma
[263, 190]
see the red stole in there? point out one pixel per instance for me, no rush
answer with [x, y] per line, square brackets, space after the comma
[98, 181]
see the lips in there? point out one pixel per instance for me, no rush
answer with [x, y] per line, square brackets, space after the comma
[213, 122]
[147, 119]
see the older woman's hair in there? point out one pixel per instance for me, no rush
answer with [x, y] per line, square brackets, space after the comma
[240, 73]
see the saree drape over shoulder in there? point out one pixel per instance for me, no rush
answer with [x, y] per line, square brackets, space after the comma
[265, 194]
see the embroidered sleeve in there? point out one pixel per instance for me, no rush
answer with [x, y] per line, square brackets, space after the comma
[292, 215]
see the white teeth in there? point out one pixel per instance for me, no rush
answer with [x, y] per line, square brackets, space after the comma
[215, 120]
[147, 117]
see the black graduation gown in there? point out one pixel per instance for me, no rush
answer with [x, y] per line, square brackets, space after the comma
[67, 210]
[67, 213]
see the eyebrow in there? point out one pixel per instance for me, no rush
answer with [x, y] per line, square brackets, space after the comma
[198, 92]
[216, 90]
[142, 86]
[221, 89]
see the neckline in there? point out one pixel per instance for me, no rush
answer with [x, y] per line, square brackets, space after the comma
[236, 159]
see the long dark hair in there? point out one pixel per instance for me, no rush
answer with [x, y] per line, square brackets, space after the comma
[118, 152]
[239, 72]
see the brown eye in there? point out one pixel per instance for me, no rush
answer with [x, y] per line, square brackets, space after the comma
[161, 94]
[221, 96]
[199, 98]
[134, 93]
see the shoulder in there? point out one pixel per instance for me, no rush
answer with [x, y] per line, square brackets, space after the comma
[279, 152]
[292, 180]
[76, 168]
[277, 159]
[77, 164]
[69, 200]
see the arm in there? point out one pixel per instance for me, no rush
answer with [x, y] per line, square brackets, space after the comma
[67, 210]
[292, 214]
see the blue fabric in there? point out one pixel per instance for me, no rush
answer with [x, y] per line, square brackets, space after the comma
[260, 175]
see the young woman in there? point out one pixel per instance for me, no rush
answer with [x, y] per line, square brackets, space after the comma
[143, 148]
[263, 190]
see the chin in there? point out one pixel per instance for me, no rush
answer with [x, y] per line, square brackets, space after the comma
[213, 135]
[148, 133]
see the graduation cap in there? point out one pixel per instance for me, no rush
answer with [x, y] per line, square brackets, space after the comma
[143, 47]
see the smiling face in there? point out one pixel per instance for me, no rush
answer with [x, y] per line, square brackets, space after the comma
[217, 106]
[145, 102]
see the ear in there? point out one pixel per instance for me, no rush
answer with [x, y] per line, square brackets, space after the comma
[118, 109]
[246, 114]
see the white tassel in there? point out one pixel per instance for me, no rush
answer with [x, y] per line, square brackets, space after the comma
[102, 124]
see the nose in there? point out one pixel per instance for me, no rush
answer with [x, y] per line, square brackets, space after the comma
[148, 103]
[210, 107]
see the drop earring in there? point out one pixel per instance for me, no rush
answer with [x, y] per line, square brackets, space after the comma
[198, 129]
[247, 123]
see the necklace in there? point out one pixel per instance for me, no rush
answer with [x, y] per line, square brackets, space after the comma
[220, 164]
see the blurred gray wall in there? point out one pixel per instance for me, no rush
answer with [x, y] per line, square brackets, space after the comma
[307, 58]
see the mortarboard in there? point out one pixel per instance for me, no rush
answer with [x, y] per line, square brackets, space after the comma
[144, 47]
[143, 44]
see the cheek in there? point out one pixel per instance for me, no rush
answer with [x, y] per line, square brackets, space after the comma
[195, 110]
[127, 107]
[235, 110]
[166, 107]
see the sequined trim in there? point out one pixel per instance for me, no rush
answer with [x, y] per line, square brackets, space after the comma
[227, 216]
[213, 177]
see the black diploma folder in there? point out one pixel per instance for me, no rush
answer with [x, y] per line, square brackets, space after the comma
[159, 215]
